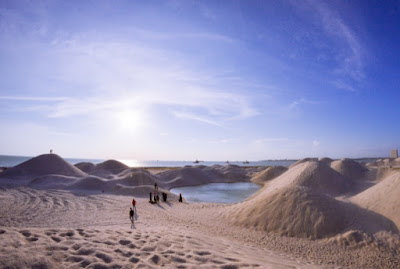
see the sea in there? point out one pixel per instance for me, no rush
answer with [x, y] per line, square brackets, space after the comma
[10, 161]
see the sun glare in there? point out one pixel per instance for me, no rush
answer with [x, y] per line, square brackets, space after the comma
[129, 120]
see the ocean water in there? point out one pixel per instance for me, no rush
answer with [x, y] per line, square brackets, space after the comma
[227, 193]
[9, 161]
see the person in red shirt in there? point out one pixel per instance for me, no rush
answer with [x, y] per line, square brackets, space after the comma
[134, 204]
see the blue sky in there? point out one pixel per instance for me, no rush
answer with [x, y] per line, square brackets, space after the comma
[209, 80]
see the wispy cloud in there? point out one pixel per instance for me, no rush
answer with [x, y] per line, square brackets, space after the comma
[300, 101]
[189, 116]
[352, 63]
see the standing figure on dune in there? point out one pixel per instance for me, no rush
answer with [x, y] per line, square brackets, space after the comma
[180, 198]
[131, 213]
[134, 204]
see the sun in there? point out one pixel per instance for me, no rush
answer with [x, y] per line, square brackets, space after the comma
[129, 120]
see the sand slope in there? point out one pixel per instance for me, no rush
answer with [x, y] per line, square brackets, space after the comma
[45, 164]
[383, 198]
[198, 175]
[301, 203]
[349, 168]
[56, 229]
[268, 174]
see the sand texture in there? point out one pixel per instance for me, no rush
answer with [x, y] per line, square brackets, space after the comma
[314, 214]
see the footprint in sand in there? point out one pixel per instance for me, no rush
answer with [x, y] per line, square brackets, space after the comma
[25, 233]
[124, 242]
[104, 257]
[55, 239]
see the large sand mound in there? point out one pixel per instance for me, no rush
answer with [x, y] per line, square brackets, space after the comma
[312, 174]
[45, 164]
[326, 160]
[268, 174]
[302, 212]
[108, 167]
[303, 161]
[299, 203]
[383, 198]
[349, 168]
[85, 166]
[136, 177]
[198, 175]
[294, 211]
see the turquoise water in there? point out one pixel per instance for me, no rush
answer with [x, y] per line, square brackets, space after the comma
[226, 193]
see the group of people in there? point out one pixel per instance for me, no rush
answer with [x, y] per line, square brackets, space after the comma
[156, 200]
[155, 195]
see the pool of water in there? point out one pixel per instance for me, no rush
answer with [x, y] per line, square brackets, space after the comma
[218, 192]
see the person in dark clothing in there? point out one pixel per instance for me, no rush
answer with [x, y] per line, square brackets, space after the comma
[131, 213]
[150, 198]
[180, 198]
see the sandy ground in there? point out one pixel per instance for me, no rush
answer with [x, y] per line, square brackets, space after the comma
[317, 214]
[59, 229]
[52, 229]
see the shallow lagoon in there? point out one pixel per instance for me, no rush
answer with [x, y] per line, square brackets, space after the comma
[218, 192]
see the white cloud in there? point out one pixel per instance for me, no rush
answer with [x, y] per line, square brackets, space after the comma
[189, 116]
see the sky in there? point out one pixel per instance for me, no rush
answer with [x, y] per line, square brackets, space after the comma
[207, 80]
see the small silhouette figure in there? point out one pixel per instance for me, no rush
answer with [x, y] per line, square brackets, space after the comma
[51, 151]
[180, 198]
[131, 213]
[134, 205]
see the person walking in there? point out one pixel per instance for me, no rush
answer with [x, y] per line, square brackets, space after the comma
[134, 205]
[180, 198]
[131, 214]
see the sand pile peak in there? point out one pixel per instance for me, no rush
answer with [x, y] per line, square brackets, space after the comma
[294, 211]
[85, 166]
[325, 160]
[198, 175]
[46, 164]
[136, 177]
[312, 174]
[349, 168]
[303, 161]
[268, 174]
[106, 169]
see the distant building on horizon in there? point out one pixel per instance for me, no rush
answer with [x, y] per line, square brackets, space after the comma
[394, 154]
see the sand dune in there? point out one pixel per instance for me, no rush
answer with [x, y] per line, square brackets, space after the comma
[349, 168]
[326, 160]
[85, 167]
[268, 174]
[45, 164]
[301, 203]
[383, 198]
[312, 174]
[301, 212]
[198, 175]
